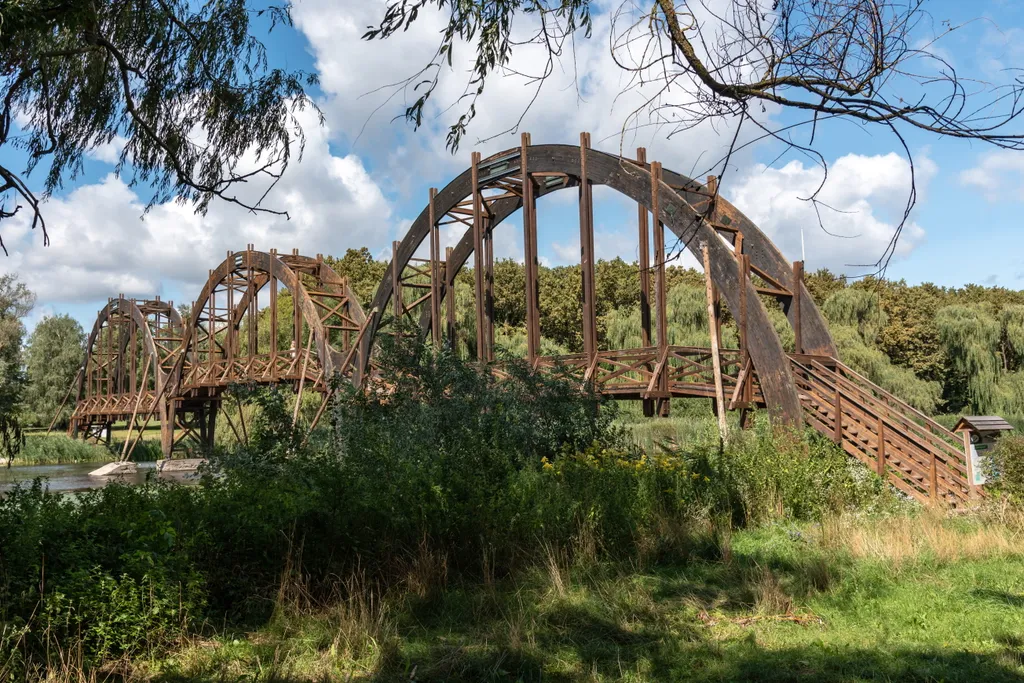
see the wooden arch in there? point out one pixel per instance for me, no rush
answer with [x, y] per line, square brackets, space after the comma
[112, 384]
[694, 213]
[322, 301]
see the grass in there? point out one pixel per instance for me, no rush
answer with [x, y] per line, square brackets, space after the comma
[58, 449]
[905, 598]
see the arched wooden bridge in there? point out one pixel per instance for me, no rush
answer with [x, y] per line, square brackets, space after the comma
[144, 361]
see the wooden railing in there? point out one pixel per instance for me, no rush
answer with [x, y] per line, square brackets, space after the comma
[910, 450]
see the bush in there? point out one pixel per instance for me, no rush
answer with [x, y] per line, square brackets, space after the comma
[1004, 467]
[447, 469]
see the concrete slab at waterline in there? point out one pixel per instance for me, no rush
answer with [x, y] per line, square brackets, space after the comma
[179, 464]
[115, 468]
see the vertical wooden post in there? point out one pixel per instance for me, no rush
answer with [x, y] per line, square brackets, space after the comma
[297, 316]
[933, 490]
[798, 280]
[488, 285]
[661, 305]
[530, 255]
[133, 359]
[587, 253]
[211, 328]
[449, 291]
[644, 261]
[230, 315]
[478, 258]
[272, 282]
[398, 307]
[110, 348]
[716, 358]
[644, 254]
[435, 273]
[837, 433]
[253, 309]
[880, 452]
[713, 217]
[971, 488]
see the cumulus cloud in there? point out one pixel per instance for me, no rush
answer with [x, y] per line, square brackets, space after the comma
[861, 205]
[102, 245]
[587, 91]
[998, 175]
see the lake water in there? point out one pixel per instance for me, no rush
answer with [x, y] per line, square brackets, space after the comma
[75, 477]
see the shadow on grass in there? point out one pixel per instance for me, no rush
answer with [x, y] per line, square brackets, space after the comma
[1003, 597]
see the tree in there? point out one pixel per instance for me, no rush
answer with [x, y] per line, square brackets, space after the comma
[53, 357]
[364, 273]
[872, 62]
[184, 87]
[15, 303]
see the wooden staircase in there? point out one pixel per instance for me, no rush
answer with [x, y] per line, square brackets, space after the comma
[910, 450]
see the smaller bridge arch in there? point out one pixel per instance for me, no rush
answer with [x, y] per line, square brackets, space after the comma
[129, 357]
[142, 360]
[239, 331]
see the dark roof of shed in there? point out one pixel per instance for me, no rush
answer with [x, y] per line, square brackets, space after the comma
[983, 423]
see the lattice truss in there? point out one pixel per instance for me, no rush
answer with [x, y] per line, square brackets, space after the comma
[130, 353]
[267, 318]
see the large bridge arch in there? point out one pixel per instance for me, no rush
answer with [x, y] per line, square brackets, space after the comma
[683, 208]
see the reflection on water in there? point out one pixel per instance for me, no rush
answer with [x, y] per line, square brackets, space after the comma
[75, 477]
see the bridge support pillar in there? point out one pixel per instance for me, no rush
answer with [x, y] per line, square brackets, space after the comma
[168, 415]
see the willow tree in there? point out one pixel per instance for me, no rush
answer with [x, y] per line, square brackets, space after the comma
[856, 320]
[877, 63]
[184, 89]
[982, 344]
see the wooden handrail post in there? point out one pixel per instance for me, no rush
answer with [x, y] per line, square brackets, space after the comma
[435, 273]
[969, 466]
[661, 307]
[837, 434]
[449, 292]
[530, 254]
[644, 261]
[478, 258]
[396, 290]
[586, 210]
[880, 464]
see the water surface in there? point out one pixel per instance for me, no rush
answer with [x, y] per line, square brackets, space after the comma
[75, 476]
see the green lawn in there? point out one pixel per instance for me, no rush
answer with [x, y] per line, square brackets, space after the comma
[905, 599]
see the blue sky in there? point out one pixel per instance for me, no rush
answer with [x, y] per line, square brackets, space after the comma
[365, 177]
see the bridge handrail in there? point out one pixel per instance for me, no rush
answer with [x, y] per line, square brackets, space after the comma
[933, 426]
[945, 453]
[950, 476]
[946, 449]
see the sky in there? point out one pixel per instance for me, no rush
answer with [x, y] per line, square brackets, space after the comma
[365, 174]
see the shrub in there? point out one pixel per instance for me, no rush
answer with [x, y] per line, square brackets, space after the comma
[1004, 466]
[446, 469]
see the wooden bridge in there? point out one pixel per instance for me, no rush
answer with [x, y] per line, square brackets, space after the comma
[269, 318]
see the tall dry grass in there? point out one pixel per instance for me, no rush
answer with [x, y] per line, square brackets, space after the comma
[930, 534]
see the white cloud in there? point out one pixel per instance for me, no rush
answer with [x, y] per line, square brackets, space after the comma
[101, 245]
[867, 196]
[999, 175]
[587, 92]
[109, 152]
